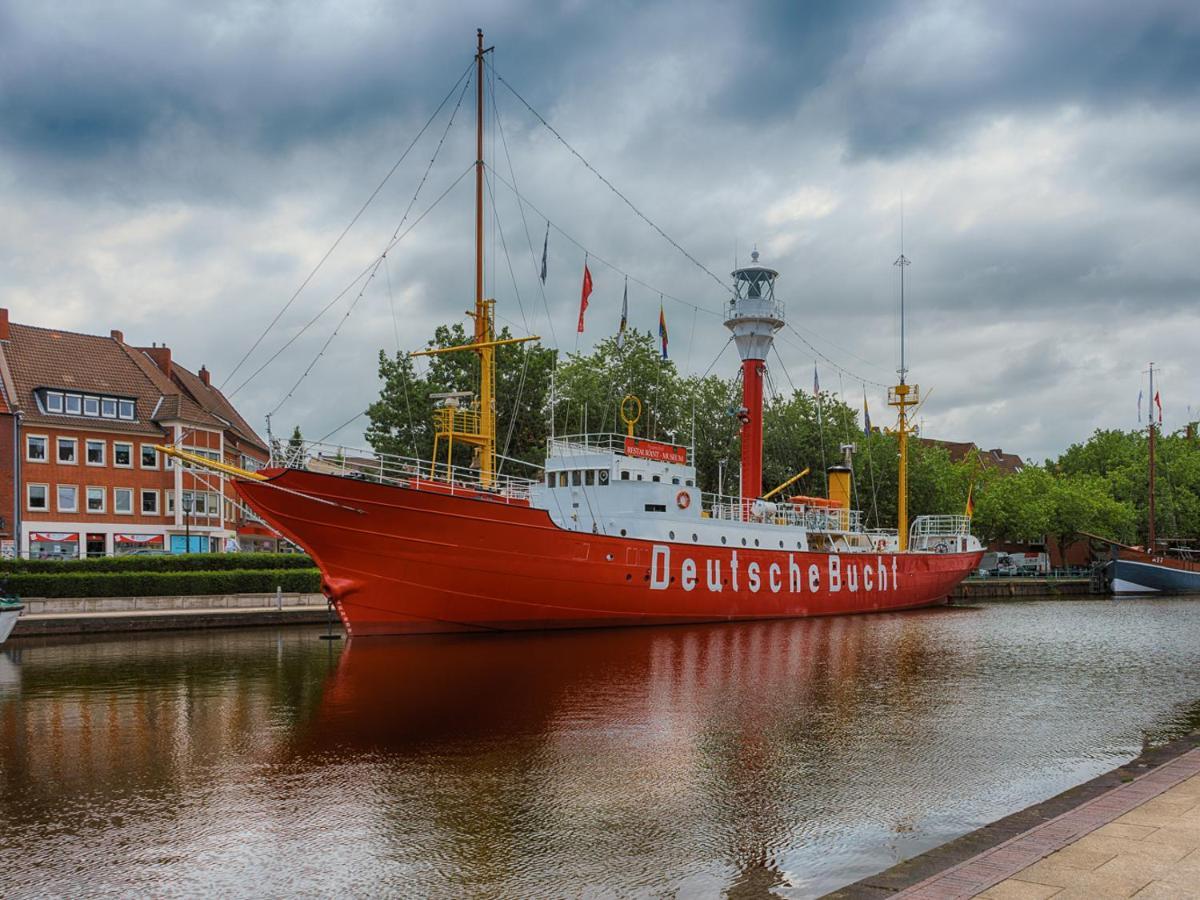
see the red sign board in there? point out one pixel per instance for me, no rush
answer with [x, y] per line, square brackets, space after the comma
[656, 451]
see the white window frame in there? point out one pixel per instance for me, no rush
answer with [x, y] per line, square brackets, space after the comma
[58, 507]
[117, 465]
[29, 507]
[58, 442]
[170, 492]
[142, 448]
[45, 449]
[132, 410]
[116, 506]
[103, 452]
[87, 500]
[106, 400]
[148, 492]
[213, 503]
[56, 395]
[77, 400]
[91, 398]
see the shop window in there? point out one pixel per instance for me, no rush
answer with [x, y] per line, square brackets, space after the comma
[35, 447]
[66, 450]
[67, 498]
[122, 455]
[123, 501]
[95, 499]
[37, 497]
[95, 453]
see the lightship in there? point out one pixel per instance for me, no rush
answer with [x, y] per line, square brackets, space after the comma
[616, 532]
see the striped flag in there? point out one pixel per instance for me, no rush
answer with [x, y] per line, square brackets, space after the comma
[545, 247]
[866, 415]
[662, 328]
[816, 382]
[624, 317]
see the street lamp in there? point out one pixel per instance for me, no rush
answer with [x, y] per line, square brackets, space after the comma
[187, 522]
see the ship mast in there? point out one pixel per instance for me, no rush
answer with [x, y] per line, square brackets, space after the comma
[902, 396]
[1150, 543]
[477, 426]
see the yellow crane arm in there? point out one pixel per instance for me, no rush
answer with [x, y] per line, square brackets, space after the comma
[208, 463]
[788, 483]
[477, 346]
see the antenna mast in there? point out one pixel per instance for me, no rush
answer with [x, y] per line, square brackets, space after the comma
[902, 396]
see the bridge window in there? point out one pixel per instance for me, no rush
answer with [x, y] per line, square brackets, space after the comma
[576, 478]
[656, 478]
[562, 479]
[589, 478]
[656, 507]
[549, 479]
[624, 476]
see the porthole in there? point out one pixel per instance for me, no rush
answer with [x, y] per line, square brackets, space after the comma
[628, 577]
[695, 537]
[609, 557]
[722, 539]
[781, 545]
[743, 542]
[622, 532]
[756, 542]
[671, 535]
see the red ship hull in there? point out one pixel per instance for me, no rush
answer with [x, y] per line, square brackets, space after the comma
[399, 560]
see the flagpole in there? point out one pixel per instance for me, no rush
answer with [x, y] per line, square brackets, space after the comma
[1151, 535]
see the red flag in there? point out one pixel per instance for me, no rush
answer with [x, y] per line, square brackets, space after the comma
[1158, 403]
[587, 290]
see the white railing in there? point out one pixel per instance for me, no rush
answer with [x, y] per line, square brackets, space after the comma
[939, 526]
[601, 442]
[813, 518]
[386, 468]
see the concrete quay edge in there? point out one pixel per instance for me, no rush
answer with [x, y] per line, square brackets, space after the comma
[921, 868]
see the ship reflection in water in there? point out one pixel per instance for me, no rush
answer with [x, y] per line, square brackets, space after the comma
[788, 757]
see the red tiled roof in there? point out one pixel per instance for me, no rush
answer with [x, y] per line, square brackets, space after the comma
[213, 401]
[1009, 463]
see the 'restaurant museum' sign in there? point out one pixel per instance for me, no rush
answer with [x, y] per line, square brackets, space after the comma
[656, 451]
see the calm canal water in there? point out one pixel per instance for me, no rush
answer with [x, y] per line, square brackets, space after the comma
[785, 757]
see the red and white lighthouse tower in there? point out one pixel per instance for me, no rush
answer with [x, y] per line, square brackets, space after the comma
[753, 315]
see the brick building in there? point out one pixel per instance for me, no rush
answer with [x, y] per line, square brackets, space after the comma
[80, 415]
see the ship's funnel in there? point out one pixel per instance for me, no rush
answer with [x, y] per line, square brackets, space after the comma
[753, 315]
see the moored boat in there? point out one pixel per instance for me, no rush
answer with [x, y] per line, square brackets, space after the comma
[10, 610]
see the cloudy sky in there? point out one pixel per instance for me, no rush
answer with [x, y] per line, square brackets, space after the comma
[177, 170]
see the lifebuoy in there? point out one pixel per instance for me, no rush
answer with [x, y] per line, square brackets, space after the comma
[880, 544]
[683, 499]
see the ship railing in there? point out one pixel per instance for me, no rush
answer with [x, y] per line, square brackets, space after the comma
[924, 527]
[812, 518]
[600, 442]
[387, 468]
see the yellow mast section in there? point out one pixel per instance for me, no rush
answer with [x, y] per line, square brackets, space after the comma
[206, 463]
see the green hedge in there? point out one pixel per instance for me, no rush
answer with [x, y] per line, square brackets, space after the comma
[167, 562]
[158, 584]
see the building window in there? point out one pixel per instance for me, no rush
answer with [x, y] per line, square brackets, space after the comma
[95, 499]
[214, 504]
[91, 406]
[35, 447]
[73, 405]
[67, 498]
[54, 402]
[95, 453]
[170, 502]
[125, 409]
[123, 501]
[149, 457]
[66, 450]
[108, 408]
[149, 503]
[37, 497]
[122, 455]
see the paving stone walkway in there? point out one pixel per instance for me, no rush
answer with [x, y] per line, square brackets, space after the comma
[1141, 839]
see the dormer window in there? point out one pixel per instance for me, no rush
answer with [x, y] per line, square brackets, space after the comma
[64, 404]
[74, 405]
[91, 406]
[108, 407]
[54, 402]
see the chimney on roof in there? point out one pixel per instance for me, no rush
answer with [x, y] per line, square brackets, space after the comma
[162, 358]
[204, 376]
[5, 331]
[118, 336]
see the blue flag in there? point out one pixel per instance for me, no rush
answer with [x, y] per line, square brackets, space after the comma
[866, 415]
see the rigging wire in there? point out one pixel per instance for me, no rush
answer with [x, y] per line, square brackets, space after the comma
[592, 255]
[370, 277]
[830, 362]
[351, 224]
[641, 215]
[373, 267]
